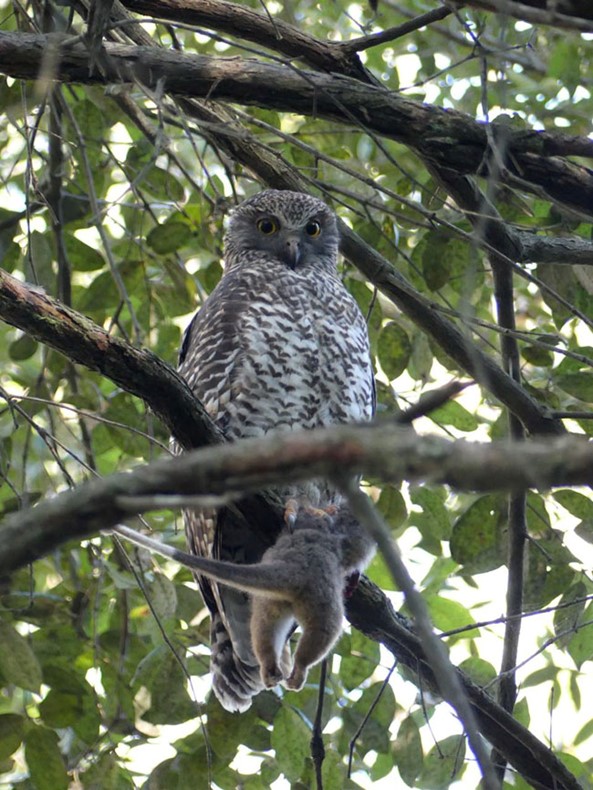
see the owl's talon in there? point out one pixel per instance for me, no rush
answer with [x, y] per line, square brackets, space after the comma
[321, 513]
[291, 511]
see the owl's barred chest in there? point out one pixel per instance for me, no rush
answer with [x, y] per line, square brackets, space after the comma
[304, 359]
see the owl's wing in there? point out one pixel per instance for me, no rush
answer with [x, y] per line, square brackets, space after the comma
[210, 358]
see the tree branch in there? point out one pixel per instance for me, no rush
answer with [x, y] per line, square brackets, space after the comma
[447, 138]
[138, 371]
[569, 14]
[369, 611]
[383, 450]
[248, 25]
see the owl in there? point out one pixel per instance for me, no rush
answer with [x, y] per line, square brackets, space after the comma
[279, 345]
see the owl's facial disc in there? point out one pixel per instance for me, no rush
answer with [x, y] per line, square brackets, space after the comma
[290, 244]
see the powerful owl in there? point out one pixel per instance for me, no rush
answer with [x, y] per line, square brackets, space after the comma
[279, 345]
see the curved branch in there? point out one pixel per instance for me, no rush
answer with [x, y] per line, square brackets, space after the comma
[569, 14]
[138, 371]
[448, 139]
[248, 25]
[384, 451]
[370, 612]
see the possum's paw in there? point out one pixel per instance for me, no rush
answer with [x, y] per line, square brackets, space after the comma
[351, 584]
[271, 675]
[286, 661]
[296, 679]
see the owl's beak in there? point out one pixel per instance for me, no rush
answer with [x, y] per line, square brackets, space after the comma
[293, 251]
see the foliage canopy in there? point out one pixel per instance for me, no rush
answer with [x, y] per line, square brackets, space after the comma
[457, 150]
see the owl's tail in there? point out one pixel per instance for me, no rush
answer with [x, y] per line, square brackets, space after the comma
[234, 680]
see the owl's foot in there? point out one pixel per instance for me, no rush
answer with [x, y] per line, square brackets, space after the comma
[291, 511]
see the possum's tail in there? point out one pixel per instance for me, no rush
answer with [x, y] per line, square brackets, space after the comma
[269, 578]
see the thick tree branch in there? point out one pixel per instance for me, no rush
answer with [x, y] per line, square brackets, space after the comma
[248, 25]
[569, 14]
[138, 371]
[384, 451]
[370, 611]
[446, 138]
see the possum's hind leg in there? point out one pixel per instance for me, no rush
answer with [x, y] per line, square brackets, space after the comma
[271, 622]
[318, 638]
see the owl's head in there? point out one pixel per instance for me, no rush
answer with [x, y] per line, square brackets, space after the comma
[292, 228]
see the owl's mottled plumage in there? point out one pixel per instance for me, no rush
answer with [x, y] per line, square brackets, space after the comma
[279, 345]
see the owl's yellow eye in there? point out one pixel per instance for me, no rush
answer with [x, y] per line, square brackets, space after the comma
[268, 226]
[313, 228]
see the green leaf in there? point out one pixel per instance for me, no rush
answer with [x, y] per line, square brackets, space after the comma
[107, 774]
[369, 719]
[443, 763]
[333, 772]
[579, 505]
[360, 662]
[290, 741]
[567, 618]
[18, 662]
[538, 356]
[445, 260]
[580, 645]
[392, 506]
[169, 237]
[407, 751]
[382, 766]
[479, 670]
[39, 262]
[448, 615]
[477, 536]
[564, 63]
[562, 282]
[162, 184]
[44, 760]
[162, 596]
[521, 712]
[91, 123]
[12, 729]
[162, 675]
[454, 414]
[60, 709]
[579, 385]
[184, 772]
[433, 522]
[393, 349]
[81, 256]
[22, 348]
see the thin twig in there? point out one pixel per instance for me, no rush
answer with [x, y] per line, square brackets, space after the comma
[448, 681]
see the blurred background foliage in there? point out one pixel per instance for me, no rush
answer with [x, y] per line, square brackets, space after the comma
[103, 650]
